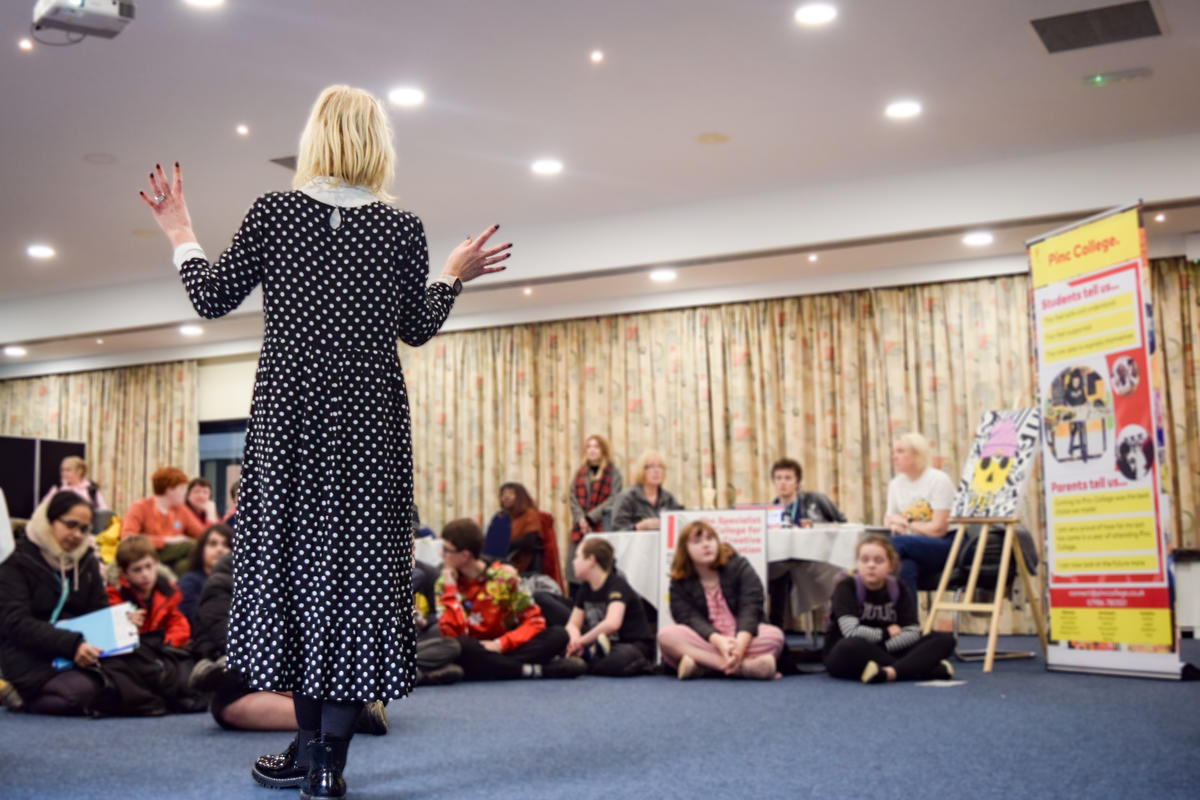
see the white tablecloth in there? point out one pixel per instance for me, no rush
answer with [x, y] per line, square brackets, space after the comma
[638, 557]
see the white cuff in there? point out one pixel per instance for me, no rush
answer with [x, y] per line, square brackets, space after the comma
[186, 251]
[446, 279]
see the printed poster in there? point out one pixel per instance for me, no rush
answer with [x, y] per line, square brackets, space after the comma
[1102, 449]
[1001, 458]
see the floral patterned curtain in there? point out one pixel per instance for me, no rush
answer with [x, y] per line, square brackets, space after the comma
[133, 419]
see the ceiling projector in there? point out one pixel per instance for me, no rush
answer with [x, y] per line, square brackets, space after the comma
[104, 18]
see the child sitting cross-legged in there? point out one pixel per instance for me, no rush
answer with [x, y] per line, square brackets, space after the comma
[873, 634]
[608, 626]
[500, 629]
[717, 605]
[154, 598]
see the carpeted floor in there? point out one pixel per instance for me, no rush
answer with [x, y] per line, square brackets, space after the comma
[1020, 732]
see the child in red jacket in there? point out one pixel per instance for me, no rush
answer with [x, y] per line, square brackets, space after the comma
[499, 627]
[155, 598]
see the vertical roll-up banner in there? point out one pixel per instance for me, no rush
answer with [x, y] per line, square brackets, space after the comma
[1099, 378]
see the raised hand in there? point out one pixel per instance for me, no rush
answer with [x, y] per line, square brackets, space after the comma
[470, 260]
[166, 203]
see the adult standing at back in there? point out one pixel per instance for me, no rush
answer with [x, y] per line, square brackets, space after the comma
[322, 602]
[918, 511]
[594, 489]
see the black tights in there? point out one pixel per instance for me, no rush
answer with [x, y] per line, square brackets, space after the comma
[331, 717]
[922, 661]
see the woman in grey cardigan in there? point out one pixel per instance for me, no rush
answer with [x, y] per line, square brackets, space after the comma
[638, 507]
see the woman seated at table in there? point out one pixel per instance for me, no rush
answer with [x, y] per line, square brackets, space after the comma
[918, 511]
[53, 575]
[594, 489]
[638, 507]
[717, 605]
[73, 477]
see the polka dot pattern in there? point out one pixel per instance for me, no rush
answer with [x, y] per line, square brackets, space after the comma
[322, 600]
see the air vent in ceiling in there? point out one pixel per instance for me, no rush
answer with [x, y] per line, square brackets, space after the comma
[1097, 26]
[287, 162]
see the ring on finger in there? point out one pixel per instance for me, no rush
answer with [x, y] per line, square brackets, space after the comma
[158, 198]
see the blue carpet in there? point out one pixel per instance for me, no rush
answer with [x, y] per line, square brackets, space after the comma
[1019, 732]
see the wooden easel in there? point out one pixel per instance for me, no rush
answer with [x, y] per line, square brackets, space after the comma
[1006, 554]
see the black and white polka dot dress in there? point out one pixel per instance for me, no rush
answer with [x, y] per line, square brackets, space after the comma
[322, 600]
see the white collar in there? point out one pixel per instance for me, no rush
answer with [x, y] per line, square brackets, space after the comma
[333, 192]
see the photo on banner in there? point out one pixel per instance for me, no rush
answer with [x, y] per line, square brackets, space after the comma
[998, 466]
[1099, 378]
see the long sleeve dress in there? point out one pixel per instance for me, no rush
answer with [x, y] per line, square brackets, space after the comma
[322, 599]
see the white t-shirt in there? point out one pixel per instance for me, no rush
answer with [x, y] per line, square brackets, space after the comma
[917, 500]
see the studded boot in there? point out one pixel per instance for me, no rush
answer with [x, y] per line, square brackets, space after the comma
[285, 770]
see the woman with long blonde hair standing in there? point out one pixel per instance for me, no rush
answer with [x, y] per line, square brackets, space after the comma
[322, 599]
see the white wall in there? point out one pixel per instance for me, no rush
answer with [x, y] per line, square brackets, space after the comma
[224, 387]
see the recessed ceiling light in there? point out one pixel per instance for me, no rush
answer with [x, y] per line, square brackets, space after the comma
[903, 109]
[1160, 217]
[813, 14]
[243, 130]
[527, 291]
[978, 239]
[40, 251]
[205, 3]
[99, 341]
[597, 56]
[663, 275]
[546, 166]
[406, 96]
[14, 351]
[25, 44]
[191, 330]
[812, 256]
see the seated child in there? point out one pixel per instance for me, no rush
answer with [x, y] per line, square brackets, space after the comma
[873, 634]
[717, 605]
[608, 626]
[154, 598]
[216, 541]
[501, 631]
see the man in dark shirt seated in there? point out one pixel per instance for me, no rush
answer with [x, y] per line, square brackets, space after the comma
[811, 580]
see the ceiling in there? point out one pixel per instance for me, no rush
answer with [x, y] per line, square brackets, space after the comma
[509, 81]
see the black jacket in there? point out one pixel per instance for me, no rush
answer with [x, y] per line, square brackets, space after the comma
[743, 594]
[29, 591]
[211, 623]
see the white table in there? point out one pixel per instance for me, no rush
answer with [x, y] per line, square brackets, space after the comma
[637, 552]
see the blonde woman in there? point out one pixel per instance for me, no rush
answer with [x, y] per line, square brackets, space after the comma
[638, 507]
[918, 511]
[322, 589]
[73, 477]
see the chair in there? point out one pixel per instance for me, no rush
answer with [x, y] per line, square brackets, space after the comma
[971, 568]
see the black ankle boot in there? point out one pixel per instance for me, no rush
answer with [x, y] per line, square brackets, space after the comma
[326, 760]
[285, 770]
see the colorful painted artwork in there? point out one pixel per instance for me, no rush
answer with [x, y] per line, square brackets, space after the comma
[1001, 458]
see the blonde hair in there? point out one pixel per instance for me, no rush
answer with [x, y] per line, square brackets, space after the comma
[348, 138]
[75, 462]
[639, 472]
[919, 445]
